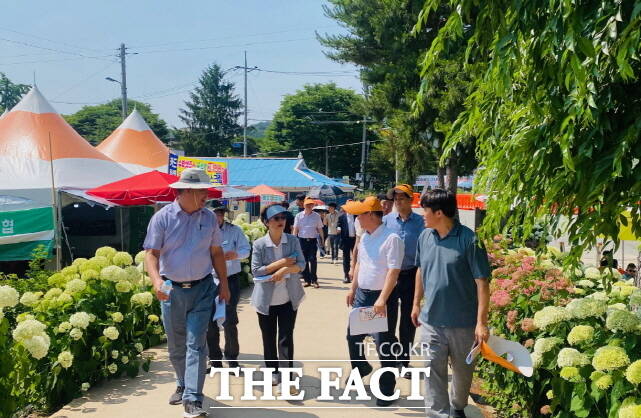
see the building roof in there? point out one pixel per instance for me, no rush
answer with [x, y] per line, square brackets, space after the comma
[279, 173]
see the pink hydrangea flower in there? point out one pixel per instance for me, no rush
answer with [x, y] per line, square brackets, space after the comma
[500, 298]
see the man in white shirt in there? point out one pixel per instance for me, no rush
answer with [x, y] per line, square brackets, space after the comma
[379, 262]
[308, 225]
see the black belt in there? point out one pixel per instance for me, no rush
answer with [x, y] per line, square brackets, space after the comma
[189, 285]
[307, 239]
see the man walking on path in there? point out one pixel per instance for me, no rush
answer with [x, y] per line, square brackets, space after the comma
[376, 272]
[347, 232]
[453, 277]
[183, 244]
[408, 226]
[297, 205]
[236, 247]
[331, 221]
[307, 227]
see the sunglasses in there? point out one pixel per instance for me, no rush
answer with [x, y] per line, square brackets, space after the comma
[279, 217]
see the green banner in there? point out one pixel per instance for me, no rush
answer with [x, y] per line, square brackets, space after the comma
[26, 221]
[23, 250]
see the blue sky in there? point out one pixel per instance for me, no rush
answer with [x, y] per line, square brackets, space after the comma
[71, 48]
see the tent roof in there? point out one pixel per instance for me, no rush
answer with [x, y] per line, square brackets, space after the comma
[263, 189]
[32, 134]
[134, 145]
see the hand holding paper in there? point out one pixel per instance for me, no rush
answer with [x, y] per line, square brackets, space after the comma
[517, 357]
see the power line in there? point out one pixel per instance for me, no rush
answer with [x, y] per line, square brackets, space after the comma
[50, 49]
[224, 46]
[51, 40]
[314, 148]
[85, 79]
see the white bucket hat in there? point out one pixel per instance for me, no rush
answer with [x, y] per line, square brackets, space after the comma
[192, 178]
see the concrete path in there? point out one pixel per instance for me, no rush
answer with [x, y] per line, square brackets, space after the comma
[319, 335]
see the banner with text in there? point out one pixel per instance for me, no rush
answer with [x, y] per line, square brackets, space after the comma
[216, 170]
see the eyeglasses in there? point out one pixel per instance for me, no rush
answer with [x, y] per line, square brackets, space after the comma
[279, 218]
[632, 271]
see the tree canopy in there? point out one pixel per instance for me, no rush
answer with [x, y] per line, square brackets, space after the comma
[556, 111]
[211, 115]
[10, 93]
[95, 123]
[316, 116]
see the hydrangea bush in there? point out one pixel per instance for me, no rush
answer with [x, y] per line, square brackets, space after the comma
[584, 330]
[252, 231]
[59, 332]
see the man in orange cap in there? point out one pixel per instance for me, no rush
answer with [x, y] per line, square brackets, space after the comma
[308, 225]
[379, 263]
[407, 225]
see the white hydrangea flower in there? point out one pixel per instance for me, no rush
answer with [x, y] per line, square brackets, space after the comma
[617, 307]
[122, 259]
[64, 299]
[85, 386]
[27, 329]
[1, 314]
[75, 286]
[140, 257]
[569, 357]
[65, 358]
[153, 318]
[38, 346]
[8, 297]
[123, 287]
[585, 283]
[117, 317]
[80, 320]
[113, 368]
[586, 307]
[53, 293]
[111, 333]
[592, 273]
[24, 317]
[143, 299]
[76, 334]
[139, 347]
[124, 359]
[543, 345]
[107, 252]
[550, 315]
[64, 327]
[30, 299]
[115, 354]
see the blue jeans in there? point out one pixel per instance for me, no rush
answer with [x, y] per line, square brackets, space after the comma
[362, 298]
[185, 316]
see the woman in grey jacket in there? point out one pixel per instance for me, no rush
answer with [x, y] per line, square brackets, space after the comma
[276, 299]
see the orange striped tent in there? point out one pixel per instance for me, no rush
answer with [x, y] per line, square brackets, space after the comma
[34, 137]
[135, 146]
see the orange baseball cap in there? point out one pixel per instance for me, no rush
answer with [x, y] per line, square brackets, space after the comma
[370, 204]
[403, 188]
[309, 201]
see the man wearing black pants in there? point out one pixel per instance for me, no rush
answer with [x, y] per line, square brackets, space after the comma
[348, 238]
[308, 225]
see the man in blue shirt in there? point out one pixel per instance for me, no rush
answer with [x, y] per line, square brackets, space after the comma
[407, 225]
[453, 278]
[183, 244]
[235, 247]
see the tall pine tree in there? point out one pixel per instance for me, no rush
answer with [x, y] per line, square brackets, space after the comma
[210, 115]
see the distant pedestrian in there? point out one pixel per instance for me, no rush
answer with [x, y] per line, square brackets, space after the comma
[297, 205]
[277, 300]
[307, 227]
[331, 223]
[347, 232]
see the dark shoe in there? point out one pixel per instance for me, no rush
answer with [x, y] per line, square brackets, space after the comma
[459, 413]
[194, 409]
[307, 285]
[383, 403]
[216, 364]
[346, 280]
[176, 398]
[233, 364]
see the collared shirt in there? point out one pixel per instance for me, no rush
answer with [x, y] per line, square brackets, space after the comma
[377, 253]
[184, 241]
[280, 295]
[331, 220]
[234, 240]
[409, 232]
[449, 267]
[358, 230]
[308, 225]
[350, 225]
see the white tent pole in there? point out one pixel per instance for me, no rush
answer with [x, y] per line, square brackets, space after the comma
[56, 212]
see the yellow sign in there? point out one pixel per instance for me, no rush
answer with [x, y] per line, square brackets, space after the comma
[217, 171]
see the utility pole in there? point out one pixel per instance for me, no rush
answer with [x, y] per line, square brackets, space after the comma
[123, 80]
[363, 152]
[245, 125]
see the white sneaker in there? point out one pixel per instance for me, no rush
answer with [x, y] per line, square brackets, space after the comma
[275, 378]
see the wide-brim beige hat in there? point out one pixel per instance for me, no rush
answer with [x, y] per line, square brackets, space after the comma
[192, 178]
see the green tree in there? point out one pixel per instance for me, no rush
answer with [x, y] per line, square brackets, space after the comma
[381, 42]
[317, 116]
[211, 115]
[10, 93]
[556, 111]
[96, 123]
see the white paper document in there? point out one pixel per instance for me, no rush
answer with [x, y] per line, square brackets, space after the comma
[365, 321]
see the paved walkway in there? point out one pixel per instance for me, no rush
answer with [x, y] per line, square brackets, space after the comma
[319, 335]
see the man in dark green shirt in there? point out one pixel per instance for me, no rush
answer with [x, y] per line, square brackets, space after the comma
[452, 276]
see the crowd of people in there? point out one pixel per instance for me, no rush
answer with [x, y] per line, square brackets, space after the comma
[417, 271]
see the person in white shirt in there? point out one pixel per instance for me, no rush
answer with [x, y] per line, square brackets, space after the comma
[308, 225]
[381, 254]
[236, 247]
